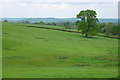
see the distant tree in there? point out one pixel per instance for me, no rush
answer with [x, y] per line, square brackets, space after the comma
[101, 27]
[26, 22]
[48, 24]
[41, 22]
[36, 23]
[67, 25]
[109, 28]
[115, 30]
[54, 24]
[5, 21]
[88, 24]
[103, 30]
[51, 24]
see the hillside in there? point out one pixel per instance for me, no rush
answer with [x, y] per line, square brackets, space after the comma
[34, 52]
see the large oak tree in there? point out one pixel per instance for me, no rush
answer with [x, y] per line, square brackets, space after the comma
[88, 23]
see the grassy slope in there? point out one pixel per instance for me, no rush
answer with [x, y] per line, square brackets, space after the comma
[34, 52]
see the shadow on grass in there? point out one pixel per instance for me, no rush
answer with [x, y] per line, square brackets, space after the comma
[89, 37]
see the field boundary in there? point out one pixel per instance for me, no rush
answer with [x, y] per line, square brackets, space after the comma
[70, 31]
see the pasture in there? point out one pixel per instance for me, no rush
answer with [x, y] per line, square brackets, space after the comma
[44, 53]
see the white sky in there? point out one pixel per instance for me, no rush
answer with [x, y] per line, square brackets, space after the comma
[57, 8]
[59, 0]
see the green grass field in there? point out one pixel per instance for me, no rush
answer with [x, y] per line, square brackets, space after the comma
[0, 50]
[44, 53]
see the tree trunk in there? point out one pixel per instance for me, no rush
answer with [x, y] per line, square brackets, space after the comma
[86, 35]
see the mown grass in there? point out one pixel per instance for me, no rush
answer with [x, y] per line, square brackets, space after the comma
[43, 53]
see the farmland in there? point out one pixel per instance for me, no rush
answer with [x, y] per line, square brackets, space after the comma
[44, 53]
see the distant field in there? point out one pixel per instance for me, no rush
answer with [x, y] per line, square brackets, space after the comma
[50, 20]
[42, 53]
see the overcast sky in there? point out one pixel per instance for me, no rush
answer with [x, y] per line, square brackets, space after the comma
[57, 8]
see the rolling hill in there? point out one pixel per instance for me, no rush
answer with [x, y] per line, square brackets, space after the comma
[43, 53]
